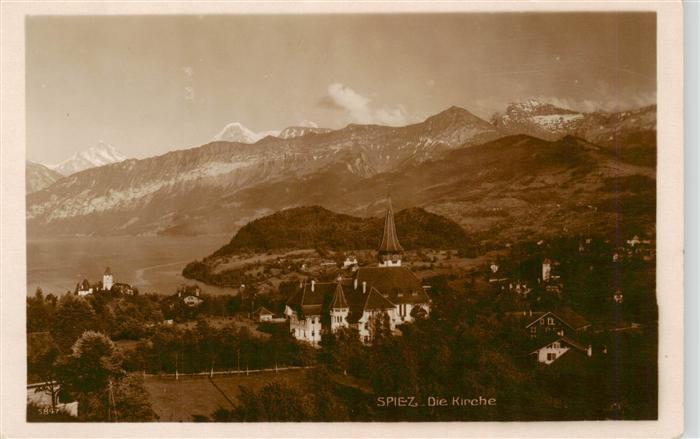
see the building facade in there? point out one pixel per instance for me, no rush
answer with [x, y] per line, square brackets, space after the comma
[376, 298]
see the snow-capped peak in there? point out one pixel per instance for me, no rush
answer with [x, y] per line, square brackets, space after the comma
[101, 154]
[237, 132]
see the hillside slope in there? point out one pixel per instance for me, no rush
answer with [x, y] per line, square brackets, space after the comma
[316, 227]
[38, 177]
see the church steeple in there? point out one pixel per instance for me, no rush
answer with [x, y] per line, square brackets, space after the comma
[390, 249]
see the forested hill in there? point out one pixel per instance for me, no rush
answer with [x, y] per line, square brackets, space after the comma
[316, 227]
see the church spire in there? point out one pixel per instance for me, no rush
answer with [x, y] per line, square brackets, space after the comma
[390, 249]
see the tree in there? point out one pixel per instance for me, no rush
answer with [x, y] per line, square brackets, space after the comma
[40, 312]
[74, 315]
[131, 401]
[274, 402]
[92, 374]
[343, 351]
[89, 373]
[42, 354]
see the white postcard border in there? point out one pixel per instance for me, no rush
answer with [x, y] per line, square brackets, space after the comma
[669, 231]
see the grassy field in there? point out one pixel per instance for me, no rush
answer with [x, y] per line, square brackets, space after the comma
[177, 400]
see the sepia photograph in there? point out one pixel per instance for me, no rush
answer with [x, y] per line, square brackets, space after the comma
[348, 217]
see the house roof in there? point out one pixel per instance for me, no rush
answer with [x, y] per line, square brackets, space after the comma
[398, 284]
[390, 241]
[375, 301]
[386, 287]
[309, 300]
[566, 315]
[566, 340]
[262, 310]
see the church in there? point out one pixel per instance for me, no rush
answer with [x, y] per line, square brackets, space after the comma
[388, 292]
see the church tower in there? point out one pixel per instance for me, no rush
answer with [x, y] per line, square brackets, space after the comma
[390, 250]
[107, 280]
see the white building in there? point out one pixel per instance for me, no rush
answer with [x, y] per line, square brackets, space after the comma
[555, 349]
[107, 280]
[84, 288]
[386, 294]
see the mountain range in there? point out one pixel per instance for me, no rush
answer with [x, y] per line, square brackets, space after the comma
[101, 154]
[237, 132]
[496, 179]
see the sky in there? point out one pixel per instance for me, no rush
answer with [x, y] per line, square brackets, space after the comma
[151, 84]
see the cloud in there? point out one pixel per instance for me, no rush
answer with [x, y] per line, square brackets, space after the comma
[342, 97]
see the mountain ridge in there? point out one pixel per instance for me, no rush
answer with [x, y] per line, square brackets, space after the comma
[100, 155]
[222, 185]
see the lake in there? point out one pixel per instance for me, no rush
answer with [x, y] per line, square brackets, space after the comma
[150, 263]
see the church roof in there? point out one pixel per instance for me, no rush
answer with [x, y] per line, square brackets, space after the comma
[108, 272]
[390, 241]
[398, 284]
[339, 300]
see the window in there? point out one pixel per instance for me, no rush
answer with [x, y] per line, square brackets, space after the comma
[550, 321]
[555, 345]
[533, 329]
[541, 321]
[551, 357]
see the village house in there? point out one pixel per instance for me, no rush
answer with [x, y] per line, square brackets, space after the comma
[388, 294]
[350, 262]
[263, 314]
[555, 348]
[189, 295]
[562, 322]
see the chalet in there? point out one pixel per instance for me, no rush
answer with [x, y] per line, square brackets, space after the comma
[263, 314]
[561, 322]
[388, 293]
[190, 295]
[555, 348]
[107, 280]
